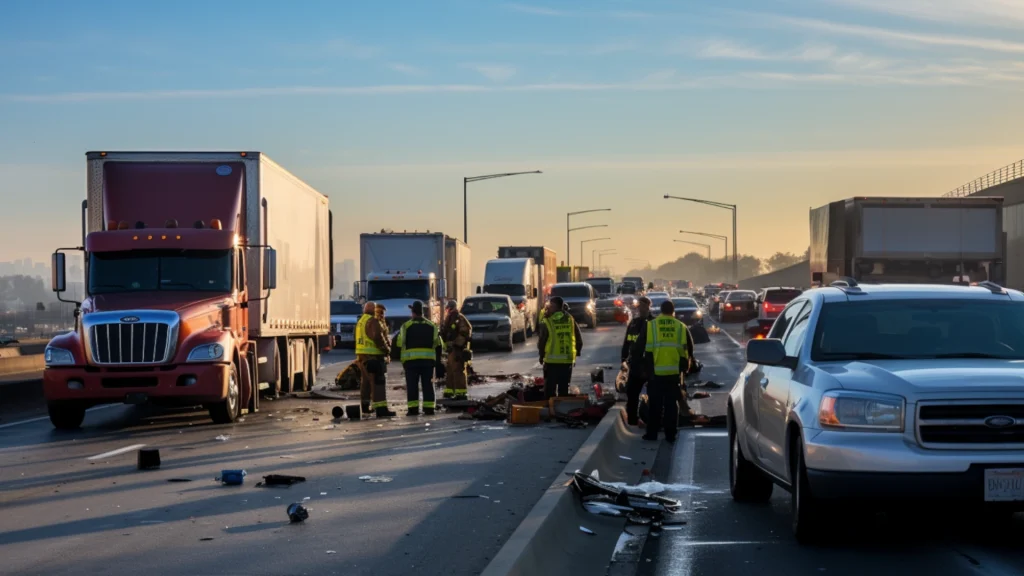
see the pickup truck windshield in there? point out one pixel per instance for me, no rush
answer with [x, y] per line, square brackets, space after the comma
[602, 286]
[346, 308]
[165, 270]
[508, 289]
[919, 329]
[570, 291]
[485, 306]
[377, 290]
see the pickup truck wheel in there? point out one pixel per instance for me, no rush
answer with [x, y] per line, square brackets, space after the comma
[746, 483]
[227, 410]
[806, 510]
[66, 415]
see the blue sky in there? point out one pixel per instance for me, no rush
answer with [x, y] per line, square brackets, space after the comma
[775, 106]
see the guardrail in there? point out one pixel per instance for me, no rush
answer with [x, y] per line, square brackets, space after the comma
[995, 178]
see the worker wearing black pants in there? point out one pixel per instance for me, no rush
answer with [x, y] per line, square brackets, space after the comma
[556, 379]
[633, 357]
[663, 402]
[419, 374]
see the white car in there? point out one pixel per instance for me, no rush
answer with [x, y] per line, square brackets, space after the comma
[344, 316]
[883, 393]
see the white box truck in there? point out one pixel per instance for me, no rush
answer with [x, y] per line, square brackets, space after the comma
[516, 278]
[397, 268]
[908, 240]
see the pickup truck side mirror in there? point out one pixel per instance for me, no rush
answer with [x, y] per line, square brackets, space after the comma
[769, 352]
[479, 290]
[270, 269]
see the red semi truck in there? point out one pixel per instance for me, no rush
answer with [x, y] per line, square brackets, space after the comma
[183, 305]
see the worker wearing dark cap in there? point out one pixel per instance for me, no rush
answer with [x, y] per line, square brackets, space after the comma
[419, 346]
[559, 344]
[457, 333]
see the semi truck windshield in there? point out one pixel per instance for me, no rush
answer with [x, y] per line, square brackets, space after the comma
[398, 290]
[168, 270]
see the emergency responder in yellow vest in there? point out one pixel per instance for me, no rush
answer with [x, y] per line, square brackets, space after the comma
[456, 333]
[559, 343]
[372, 351]
[419, 346]
[668, 353]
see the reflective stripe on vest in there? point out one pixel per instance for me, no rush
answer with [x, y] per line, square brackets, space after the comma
[666, 341]
[416, 353]
[561, 345]
[364, 345]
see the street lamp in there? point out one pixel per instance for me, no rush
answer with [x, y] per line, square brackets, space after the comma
[718, 236]
[735, 260]
[708, 246]
[568, 250]
[582, 242]
[600, 258]
[596, 252]
[465, 199]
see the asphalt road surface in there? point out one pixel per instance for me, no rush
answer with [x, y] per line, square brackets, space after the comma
[725, 538]
[74, 503]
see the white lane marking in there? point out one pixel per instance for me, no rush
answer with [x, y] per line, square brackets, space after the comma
[116, 452]
[41, 418]
[729, 336]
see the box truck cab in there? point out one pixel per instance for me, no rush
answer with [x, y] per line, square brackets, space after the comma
[396, 290]
[182, 302]
[515, 277]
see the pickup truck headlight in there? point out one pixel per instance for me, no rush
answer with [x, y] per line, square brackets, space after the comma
[698, 314]
[206, 353]
[504, 321]
[590, 306]
[58, 357]
[861, 411]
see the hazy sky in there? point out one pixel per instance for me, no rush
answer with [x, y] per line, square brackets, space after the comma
[385, 106]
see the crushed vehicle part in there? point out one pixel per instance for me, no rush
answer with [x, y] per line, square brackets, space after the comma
[297, 513]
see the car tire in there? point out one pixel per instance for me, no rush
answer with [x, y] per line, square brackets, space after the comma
[228, 410]
[511, 341]
[66, 414]
[806, 510]
[746, 482]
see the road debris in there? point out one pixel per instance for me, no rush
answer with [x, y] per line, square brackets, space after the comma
[586, 530]
[179, 479]
[222, 438]
[615, 500]
[231, 477]
[205, 539]
[338, 412]
[297, 513]
[280, 480]
[149, 459]
[375, 479]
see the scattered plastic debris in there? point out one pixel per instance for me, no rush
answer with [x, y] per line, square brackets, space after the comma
[331, 552]
[288, 457]
[205, 539]
[231, 477]
[624, 458]
[307, 498]
[329, 427]
[652, 487]
[149, 459]
[375, 479]
[323, 493]
[223, 438]
[179, 479]
[297, 513]
[586, 530]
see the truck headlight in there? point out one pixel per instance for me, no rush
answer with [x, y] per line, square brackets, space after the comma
[698, 314]
[861, 411]
[58, 357]
[206, 353]
[590, 306]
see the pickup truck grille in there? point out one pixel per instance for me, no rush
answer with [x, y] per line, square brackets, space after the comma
[958, 425]
[130, 343]
[484, 326]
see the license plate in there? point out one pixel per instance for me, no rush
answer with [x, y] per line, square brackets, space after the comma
[346, 337]
[1004, 484]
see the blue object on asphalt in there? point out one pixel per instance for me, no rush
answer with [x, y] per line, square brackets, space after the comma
[232, 477]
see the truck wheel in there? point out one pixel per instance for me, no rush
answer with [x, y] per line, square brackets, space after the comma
[304, 380]
[66, 415]
[227, 411]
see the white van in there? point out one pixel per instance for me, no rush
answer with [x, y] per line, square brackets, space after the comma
[515, 277]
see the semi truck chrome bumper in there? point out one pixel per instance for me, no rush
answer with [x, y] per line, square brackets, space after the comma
[182, 384]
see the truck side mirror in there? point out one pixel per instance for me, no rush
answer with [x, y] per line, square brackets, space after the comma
[270, 269]
[535, 292]
[479, 290]
[816, 277]
[357, 293]
[59, 281]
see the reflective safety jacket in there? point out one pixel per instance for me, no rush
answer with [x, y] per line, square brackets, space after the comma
[419, 339]
[666, 342]
[365, 342]
[634, 344]
[560, 347]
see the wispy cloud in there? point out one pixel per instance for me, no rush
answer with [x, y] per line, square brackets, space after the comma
[346, 48]
[493, 72]
[722, 49]
[998, 13]
[571, 50]
[538, 10]
[729, 50]
[897, 36]
[406, 69]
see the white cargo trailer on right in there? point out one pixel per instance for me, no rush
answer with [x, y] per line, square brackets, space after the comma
[908, 240]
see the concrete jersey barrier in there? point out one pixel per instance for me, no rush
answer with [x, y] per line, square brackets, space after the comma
[19, 364]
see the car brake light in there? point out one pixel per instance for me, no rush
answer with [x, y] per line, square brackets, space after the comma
[522, 305]
[618, 302]
[727, 305]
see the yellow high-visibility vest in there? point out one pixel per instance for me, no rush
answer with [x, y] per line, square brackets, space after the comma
[365, 345]
[666, 341]
[561, 345]
[419, 352]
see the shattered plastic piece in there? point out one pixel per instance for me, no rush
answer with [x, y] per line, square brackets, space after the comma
[586, 530]
[331, 552]
[323, 493]
[329, 427]
[297, 513]
[223, 438]
[307, 499]
[606, 509]
[653, 487]
[624, 458]
[375, 479]
[672, 528]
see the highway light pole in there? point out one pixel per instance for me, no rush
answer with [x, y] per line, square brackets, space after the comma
[568, 249]
[465, 196]
[735, 259]
[708, 246]
[597, 252]
[718, 236]
[582, 242]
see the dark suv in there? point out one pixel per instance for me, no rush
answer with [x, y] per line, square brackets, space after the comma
[581, 299]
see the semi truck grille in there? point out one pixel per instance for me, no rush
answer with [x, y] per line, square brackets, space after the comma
[958, 425]
[130, 343]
